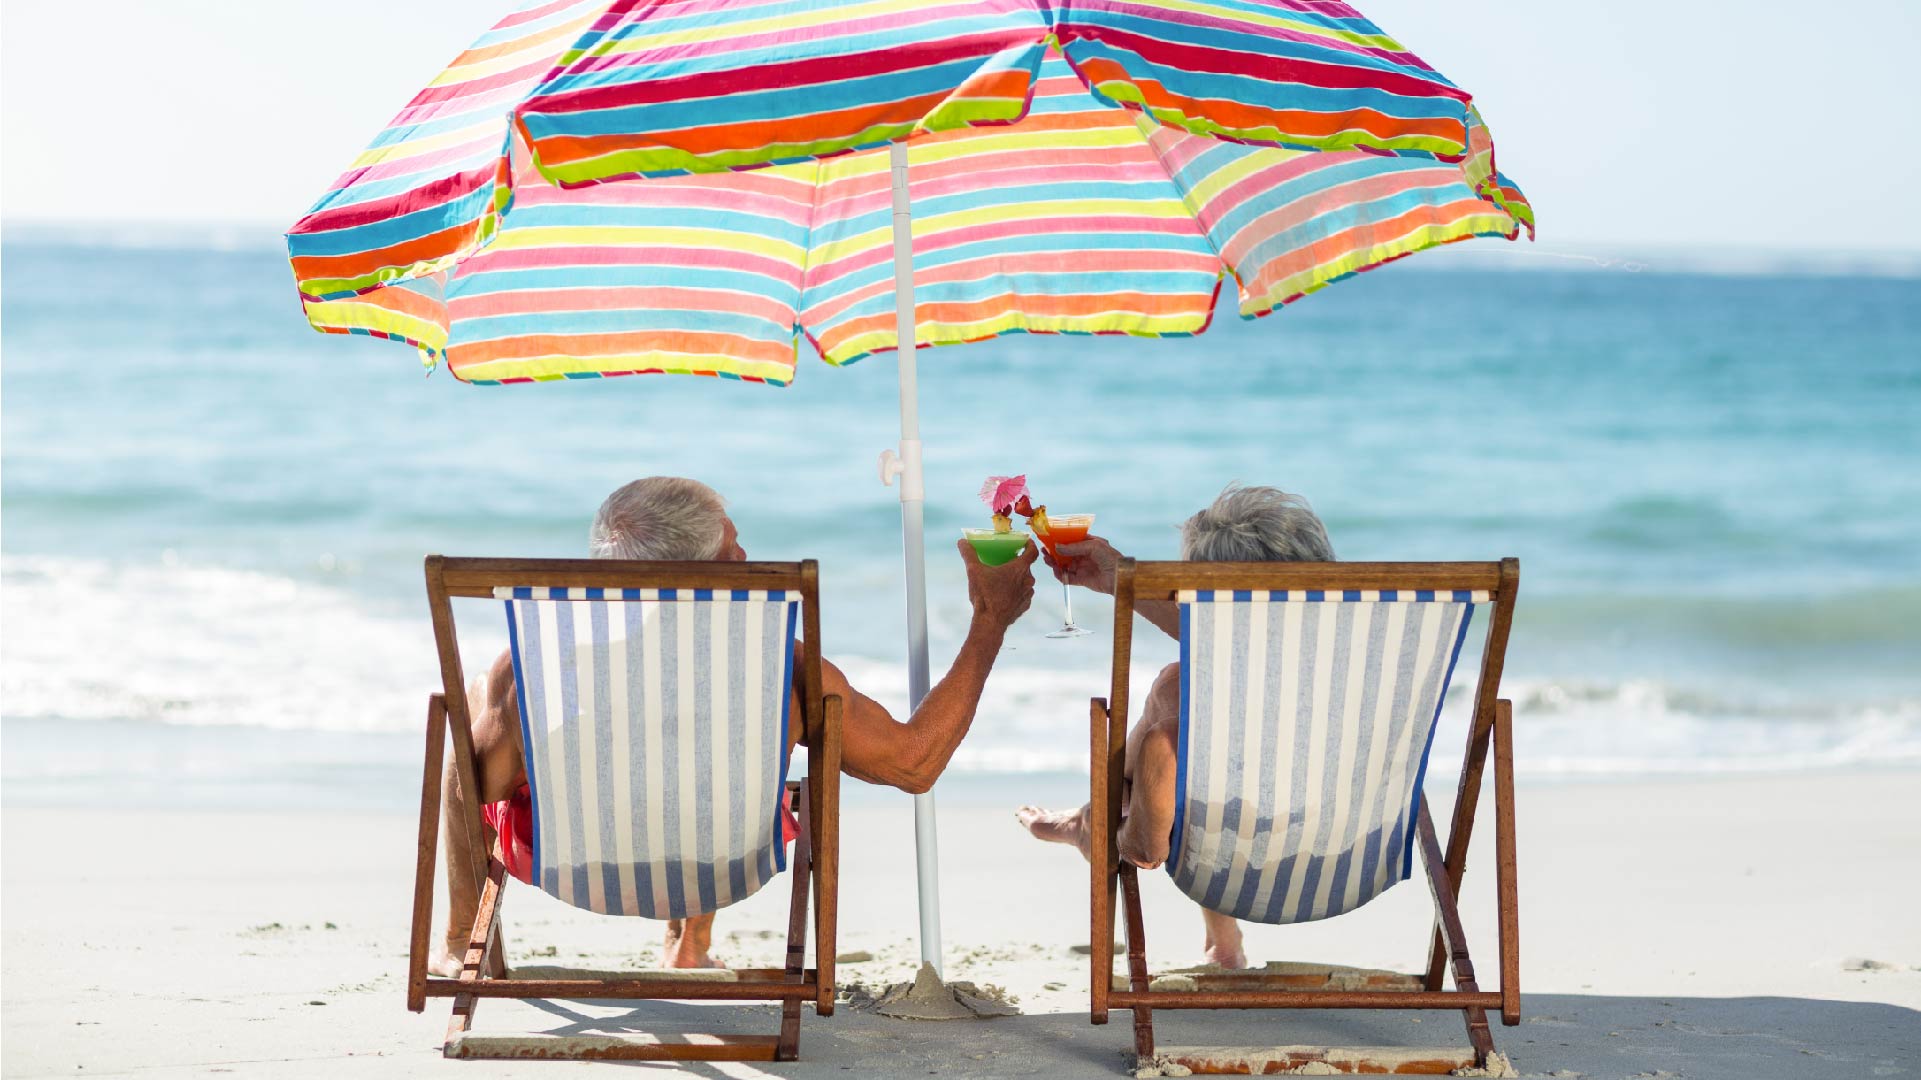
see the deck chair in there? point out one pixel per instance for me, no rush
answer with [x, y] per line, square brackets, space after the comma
[655, 705]
[1309, 695]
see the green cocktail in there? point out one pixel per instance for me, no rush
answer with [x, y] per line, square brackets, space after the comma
[995, 548]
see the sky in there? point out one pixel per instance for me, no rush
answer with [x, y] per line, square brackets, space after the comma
[1630, 124]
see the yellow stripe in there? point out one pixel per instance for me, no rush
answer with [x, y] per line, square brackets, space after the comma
[560, 236]
[486, 130]
[359, 314]
[1321, 275]
[535, 50]
[1210, 187]
[1110, 322]
[825, 253]
[548, 368]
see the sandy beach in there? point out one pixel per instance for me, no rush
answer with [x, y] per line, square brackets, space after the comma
[174, 943]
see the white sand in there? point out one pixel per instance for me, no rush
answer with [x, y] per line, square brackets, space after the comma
[1755, 927]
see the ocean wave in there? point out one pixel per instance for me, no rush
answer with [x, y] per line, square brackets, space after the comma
[172, 644]
[183, 644]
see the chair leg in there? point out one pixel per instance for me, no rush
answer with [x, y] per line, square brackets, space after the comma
[1448, 915]
[480, 957]
[1466, 801]
[788, 1048]
[427, 846]
[1137, 979]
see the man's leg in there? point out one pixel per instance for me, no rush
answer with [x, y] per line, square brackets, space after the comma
[688, 942]
[463, 890]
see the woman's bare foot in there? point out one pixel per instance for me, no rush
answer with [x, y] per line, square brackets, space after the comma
[688, 943]
[1223, 944]
[1056, 826]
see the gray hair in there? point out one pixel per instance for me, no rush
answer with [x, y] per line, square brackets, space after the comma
[660, 517]
[1256, 524]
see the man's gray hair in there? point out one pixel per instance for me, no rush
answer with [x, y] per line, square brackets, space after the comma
[660, 517]
[1256, 524]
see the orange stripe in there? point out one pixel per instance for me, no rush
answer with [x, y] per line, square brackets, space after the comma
[809, 128]
[357, 264]
[1362, 239]
[587, 347]
[1235, 116]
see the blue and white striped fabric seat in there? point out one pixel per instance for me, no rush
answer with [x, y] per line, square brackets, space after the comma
[1306, 719]
[655, 729]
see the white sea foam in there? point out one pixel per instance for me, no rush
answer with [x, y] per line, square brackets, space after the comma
[196, 645]
[88, 640]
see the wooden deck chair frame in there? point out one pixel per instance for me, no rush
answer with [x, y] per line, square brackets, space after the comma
[816, 862]
[1491, 728]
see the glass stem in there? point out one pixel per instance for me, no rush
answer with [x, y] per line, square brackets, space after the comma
[1067, 599]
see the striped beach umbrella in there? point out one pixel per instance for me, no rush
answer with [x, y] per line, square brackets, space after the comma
[694, 186]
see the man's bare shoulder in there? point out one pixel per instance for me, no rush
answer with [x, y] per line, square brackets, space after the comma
[494, 691]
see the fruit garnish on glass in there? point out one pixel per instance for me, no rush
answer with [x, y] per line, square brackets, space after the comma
[1003, 542]
[1008, 496]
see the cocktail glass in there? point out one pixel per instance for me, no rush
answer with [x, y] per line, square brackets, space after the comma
[995, 548]
[1066, 529]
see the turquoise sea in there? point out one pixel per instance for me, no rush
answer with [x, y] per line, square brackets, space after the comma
[214, 518]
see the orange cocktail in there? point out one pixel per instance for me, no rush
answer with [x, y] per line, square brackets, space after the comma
[1063, 529]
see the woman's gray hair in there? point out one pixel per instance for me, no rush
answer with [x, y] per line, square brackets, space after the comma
[660, 517]
[1256, 524]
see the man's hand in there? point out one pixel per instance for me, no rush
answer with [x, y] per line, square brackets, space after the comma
[1000, 594]
[1089, 564]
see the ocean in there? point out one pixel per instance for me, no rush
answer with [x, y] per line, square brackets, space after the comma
[214, 518]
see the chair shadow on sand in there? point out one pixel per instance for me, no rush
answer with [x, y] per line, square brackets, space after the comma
[1596, 1036]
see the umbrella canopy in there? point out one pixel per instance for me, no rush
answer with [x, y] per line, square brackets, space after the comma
[1077, 218]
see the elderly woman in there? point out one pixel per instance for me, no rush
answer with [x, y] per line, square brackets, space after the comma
[1245, 524]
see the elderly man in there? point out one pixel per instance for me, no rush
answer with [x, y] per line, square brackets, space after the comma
[1245, 524]
[670, 518]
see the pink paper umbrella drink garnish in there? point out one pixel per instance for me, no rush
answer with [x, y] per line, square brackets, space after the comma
[1000, 493]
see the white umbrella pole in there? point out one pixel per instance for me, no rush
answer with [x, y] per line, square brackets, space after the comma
[912, 493]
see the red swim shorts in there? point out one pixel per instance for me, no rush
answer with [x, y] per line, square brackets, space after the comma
[513, 820]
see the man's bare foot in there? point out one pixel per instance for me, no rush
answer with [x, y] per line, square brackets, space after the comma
[1056, 826]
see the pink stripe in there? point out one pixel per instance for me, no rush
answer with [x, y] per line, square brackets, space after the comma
[425, 163]
[533, 14]
[1297, 213]
[491, 260]
[1240, 26]
[1312, 255]
[539, 301]
[1041, 262]
[419, 198]
[828, 272]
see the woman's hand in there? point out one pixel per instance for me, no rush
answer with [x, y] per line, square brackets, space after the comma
[1089, 564]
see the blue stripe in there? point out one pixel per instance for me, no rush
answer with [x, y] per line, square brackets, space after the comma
[1420, 776]
[1180, 749]
[786, 705]
[526, 731]
[733, 108]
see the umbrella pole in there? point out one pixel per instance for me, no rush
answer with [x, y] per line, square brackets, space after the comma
[912, 493]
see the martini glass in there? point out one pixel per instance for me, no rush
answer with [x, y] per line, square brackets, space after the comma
[1066, 529]
[995, 548]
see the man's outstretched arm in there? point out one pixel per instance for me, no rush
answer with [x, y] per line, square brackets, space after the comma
[912, 755]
